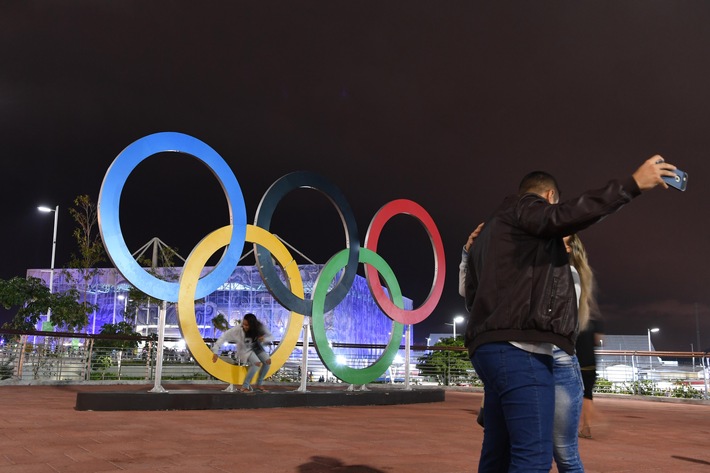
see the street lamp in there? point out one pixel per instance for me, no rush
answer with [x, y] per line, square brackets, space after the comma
[123, 298]
[457, 319]
[651, 330]
[692, 351]
[54, 251]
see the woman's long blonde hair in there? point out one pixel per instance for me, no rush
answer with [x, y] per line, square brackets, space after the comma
[587, 298]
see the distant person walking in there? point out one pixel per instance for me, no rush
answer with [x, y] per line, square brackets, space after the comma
[589, 338]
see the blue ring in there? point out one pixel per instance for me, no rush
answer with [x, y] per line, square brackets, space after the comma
[267, 269]
[110, 226]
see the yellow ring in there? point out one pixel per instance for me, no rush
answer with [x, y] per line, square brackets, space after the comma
[186, 302]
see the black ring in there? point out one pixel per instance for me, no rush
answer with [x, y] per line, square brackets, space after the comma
[264, 261]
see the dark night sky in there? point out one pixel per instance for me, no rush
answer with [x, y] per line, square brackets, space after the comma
[445, 103]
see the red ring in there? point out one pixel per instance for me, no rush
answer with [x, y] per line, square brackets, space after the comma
[389, 210]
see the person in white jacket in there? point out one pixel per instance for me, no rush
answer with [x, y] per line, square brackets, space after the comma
[249, 338]
[233, 335]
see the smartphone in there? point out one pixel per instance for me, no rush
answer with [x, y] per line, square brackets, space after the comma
[679, 181]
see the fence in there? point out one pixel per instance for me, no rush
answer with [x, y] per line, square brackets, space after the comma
[654, 373]
[37, 356]
[68, 357]
[52, 356]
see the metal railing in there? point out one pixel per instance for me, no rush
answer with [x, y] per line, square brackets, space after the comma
[58, 356]
[654, 373]
[68, 357]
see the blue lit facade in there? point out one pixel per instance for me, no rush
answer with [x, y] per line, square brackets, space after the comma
[357, 319]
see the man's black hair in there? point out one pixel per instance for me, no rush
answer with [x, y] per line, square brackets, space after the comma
[538, 182]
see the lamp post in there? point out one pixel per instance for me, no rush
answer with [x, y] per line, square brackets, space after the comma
[651, 330]
[457, 319]
[692, 351]
[54, 251]
[123, 298]
[601, 347]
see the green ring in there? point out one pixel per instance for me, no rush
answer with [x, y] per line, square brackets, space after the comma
[320, 338]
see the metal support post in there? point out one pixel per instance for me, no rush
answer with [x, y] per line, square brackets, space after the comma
[304, 356]
[157, 388]
[407, 357]
[706, 362]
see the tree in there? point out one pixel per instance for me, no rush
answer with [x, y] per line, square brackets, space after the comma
[121, 328]
[447, 366]
[116, 339]
[70, 309]
[91, 248]
[32, 298]
[68, 313]
[220, 323]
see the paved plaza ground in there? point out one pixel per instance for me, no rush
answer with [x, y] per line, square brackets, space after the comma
[40, 431]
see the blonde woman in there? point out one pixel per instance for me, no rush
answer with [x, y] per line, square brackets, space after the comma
[568, 377]
[590, 331]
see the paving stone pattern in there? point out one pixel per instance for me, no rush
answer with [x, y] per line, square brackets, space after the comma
[40, 431]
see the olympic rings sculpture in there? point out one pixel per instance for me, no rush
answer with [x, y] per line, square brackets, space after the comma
[267, 248]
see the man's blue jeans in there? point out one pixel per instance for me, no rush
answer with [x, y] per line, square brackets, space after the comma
[518, 409]
[568, 407]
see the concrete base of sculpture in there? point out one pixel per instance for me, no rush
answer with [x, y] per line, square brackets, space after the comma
[195, 399]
